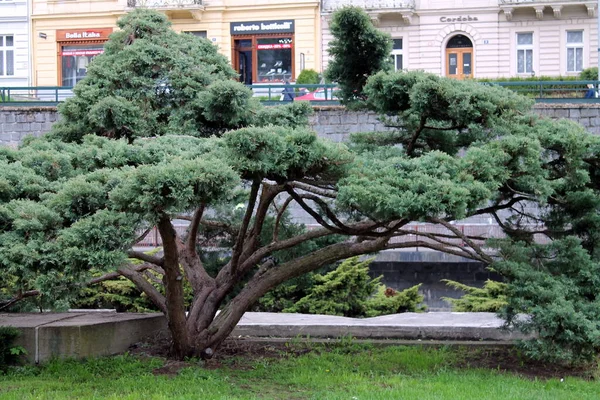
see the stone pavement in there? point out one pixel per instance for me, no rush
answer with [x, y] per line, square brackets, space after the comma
[83, 334]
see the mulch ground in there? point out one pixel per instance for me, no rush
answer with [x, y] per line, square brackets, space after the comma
[240, 354]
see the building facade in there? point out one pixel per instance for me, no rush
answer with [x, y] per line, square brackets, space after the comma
[14, 43]
[483, 38]
[267, 41]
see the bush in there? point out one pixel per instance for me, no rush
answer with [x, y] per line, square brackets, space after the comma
[349, 291]
[558, 286]
[490, 298]
[308, 77]
[589, 74]
[8, 352]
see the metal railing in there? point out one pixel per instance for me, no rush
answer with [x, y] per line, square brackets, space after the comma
[324, 94]
[34, 95]
[554, 91]
[272, 94]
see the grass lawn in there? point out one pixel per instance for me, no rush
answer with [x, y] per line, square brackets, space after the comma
[346, 372]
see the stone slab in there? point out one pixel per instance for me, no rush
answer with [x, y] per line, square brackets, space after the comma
[410, 326]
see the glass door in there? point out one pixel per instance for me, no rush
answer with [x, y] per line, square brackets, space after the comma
[459, 63]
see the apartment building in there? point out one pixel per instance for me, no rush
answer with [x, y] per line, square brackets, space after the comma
[14, 43]
[483, 38]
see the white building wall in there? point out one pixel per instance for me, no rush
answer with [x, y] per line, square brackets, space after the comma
[432, 23]
[14, 21]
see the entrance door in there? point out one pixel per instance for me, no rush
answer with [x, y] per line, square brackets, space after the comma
[243, 60]
[459, 58]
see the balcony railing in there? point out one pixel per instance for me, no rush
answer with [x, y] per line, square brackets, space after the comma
[165, 3]
[330, 5]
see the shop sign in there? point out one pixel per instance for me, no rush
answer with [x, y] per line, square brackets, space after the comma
[82, 52]
[66, 35]
[467, 18]
[277, 46]
[254, 27]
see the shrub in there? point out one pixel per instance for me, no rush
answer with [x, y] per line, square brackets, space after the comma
[390, 301]
[8, 352]
[349, 291]
[557, 285]
[589, 74]
[308, 77]
[490, 298]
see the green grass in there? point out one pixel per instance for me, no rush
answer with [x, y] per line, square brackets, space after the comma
[347, 372]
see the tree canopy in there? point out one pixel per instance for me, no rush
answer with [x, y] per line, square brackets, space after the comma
[159, 131]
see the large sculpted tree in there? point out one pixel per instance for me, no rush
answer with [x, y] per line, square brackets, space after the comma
[158, 131]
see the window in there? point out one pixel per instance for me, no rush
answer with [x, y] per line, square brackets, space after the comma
[525, 53]
[7, 55]
[75, 61]
[201, 34]
[574, 51]
[396, 56]
[274, 59]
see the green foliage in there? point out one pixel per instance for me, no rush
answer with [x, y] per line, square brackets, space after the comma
[389, 301]
[557, 286]
[357, 51]
[589, 74]
[489, 298]
[151, 81]
[119, 294]
[349, 291]
[308, 76]
[9, 353]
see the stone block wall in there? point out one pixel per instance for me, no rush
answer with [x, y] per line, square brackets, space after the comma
[18, 122]
[586, 114]
[333, 122]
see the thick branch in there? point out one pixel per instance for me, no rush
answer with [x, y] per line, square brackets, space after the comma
[239, 243]
[411, 145]
[332, 194]
[270, 276]
[280, 213]
[193, 229]
[175, 307]
[20, 296]
[145, 257]
[142, 284]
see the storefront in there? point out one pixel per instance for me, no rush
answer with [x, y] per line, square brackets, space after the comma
[261, 41]
[76, 49]
[263, 51]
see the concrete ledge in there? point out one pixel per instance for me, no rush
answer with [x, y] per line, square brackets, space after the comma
[85, 334]
[407, 326]
[81, 335]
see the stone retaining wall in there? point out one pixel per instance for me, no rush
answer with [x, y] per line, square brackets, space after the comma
[333, 122]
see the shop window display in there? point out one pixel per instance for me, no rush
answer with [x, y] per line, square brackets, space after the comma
[75, 61]
[274, 59]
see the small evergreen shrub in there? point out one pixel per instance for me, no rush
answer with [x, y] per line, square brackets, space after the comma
[349, 291]
[389, 301]
[490, 298]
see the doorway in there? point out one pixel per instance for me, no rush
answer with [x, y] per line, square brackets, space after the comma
[459, 57]
[243, 60]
